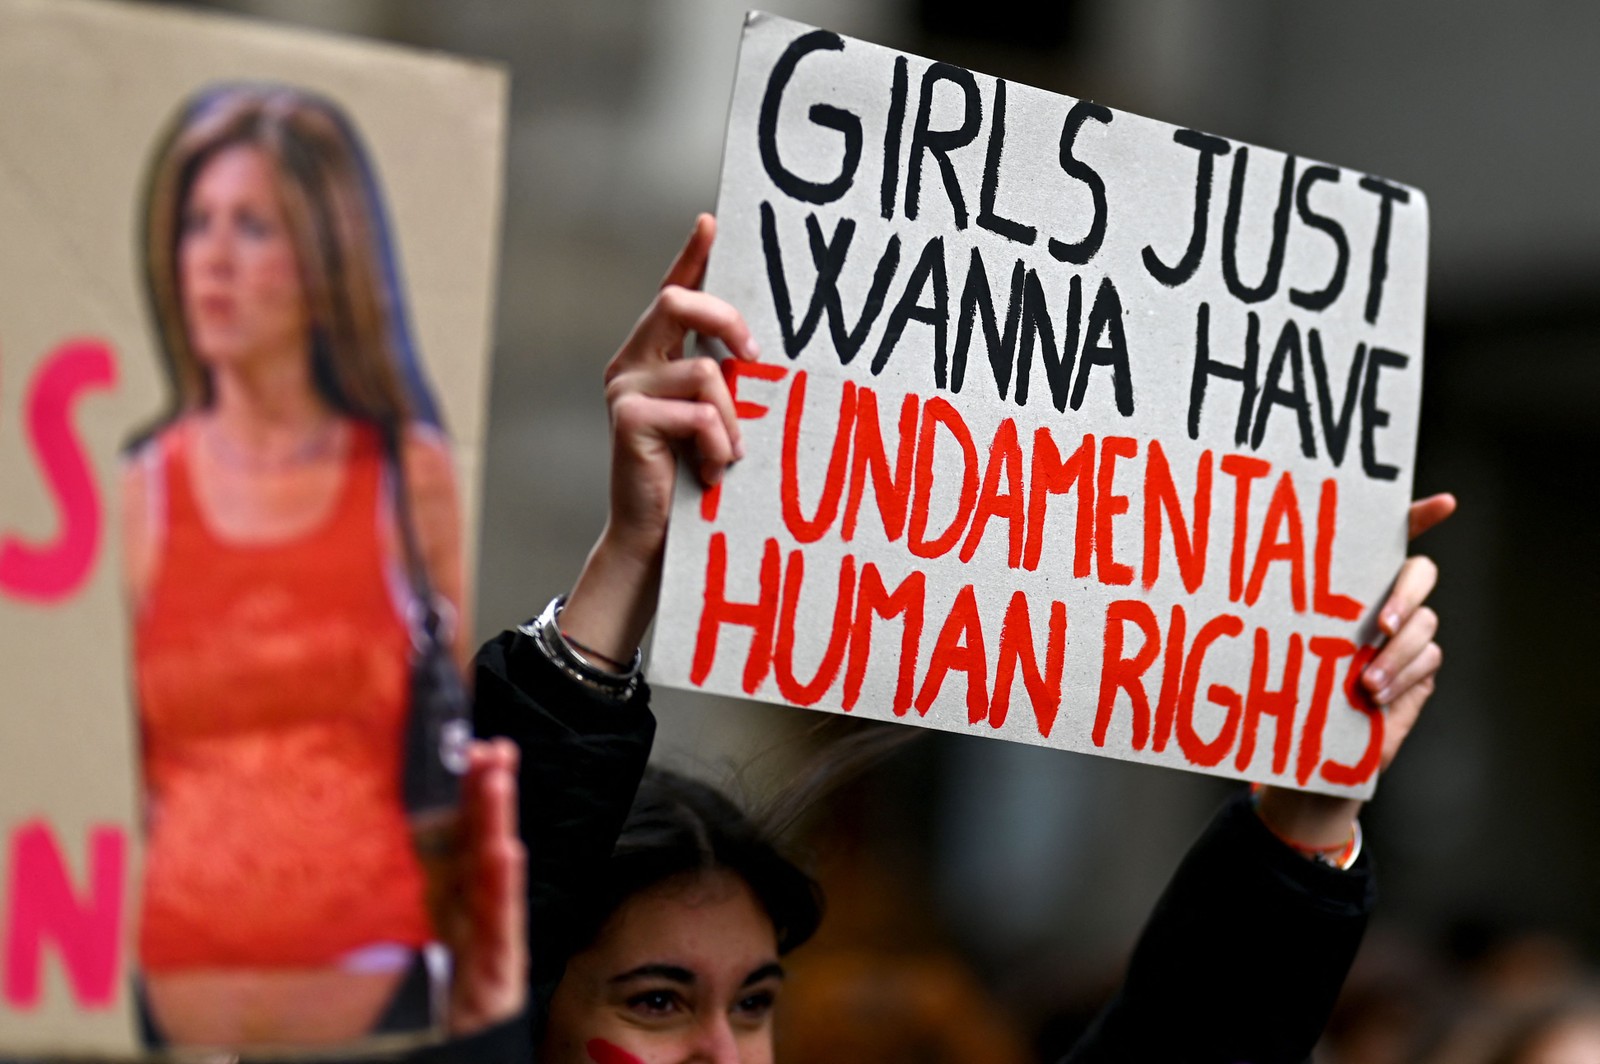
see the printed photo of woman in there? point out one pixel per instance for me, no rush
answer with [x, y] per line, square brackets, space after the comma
[274, 591]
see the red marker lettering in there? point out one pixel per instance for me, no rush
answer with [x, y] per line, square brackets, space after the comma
[804, 529]
[1017, 650]
[808, 692]
[959, 648]
[732, 370]
[892, 491]
[760, 615]
[1323, 599]
[937, 412]
[1188, 540]
[874, 599]
[1005, 461]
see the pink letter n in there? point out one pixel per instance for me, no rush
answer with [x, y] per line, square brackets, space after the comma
[43, 906]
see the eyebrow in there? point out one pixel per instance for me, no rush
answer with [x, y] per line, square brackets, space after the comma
[670, 972]
[774, 970]
[675, 974]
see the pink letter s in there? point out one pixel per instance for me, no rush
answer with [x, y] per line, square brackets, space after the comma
[52, 571]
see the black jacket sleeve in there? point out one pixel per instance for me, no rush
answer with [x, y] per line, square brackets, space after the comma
[582, 758]
[1242, 958]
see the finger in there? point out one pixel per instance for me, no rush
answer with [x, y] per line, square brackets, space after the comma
[1400, 717]
[678, 421]
[1402, 647]
[479, 752]
[505, 864]
[1426, 513]
[1415, 655]
[1423, 667]
[490, 982]
[672, 315]
[490, 839]
[698, 379]
[481, 757]
[1411, 587]
[689, 268]
[510, 754]
[681, 309]
[499, 803]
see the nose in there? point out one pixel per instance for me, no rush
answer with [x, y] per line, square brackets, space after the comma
[715, 1043]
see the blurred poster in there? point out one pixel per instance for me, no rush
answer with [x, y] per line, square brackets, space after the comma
[1073, 427]
[245, 301]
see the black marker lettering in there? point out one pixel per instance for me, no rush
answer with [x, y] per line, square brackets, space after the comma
[891, 137]
[1336, 430]
[790, 183]
[987, 218]
[1083, 250]
[1273, 393]
[1302, 201]
[1206, 367]
[929, 268]
[1036, 324]
[1105, 323]
[828, 256]
[1374, 418]
[941, 142]
[1230, 231]
[976, 299]
[1209, 148]
[1387, 195]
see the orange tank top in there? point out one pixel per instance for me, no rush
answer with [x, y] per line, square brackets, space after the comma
[272, 682]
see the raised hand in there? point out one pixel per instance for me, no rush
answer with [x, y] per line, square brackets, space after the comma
[489, 937]
[1399, 679]
[661, 404]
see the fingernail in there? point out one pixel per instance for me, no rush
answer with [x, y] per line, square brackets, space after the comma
[1377, 679]
[1391, 621]
[751, 348]
[738, 449]
[1384, 697]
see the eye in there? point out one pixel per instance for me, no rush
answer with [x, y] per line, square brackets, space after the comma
[656, 1004]
[756, 1006]
[192, 221]
[255, 226]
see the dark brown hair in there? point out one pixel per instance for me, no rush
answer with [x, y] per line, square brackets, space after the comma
[335, 223]
[678, 827]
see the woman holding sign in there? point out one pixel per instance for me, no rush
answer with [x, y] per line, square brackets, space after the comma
[283, 528]
[671, 943]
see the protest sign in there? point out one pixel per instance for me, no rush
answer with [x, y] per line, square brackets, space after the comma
[138, 256]
[1072, 427]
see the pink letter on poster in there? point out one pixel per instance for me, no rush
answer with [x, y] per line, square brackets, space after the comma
[42, 905]
[53, 571]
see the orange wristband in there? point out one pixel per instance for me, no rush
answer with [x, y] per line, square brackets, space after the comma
[1340, 855]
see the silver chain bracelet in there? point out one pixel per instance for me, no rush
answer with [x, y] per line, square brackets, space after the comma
[545, 630]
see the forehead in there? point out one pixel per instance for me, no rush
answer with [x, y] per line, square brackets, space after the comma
[702, 923]
[238, 169]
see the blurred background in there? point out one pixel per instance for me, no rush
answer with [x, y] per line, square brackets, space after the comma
[1010, 878]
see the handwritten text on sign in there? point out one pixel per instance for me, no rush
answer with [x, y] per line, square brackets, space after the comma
[1061, 407]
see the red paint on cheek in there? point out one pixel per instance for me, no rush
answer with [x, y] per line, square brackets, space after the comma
[603, 1052]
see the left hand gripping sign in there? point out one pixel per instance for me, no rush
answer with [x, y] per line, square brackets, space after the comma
[1076, 428]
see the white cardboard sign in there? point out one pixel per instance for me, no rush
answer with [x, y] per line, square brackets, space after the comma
[1072, 427]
